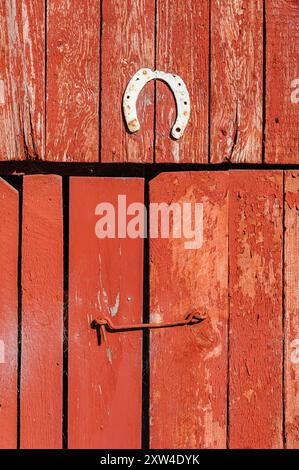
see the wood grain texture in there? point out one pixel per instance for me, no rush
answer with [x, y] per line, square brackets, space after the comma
[22, 77]
[255, 258]
[42, 313]
[236, 80]
[9, 232]
[282, 78]
[127, 45]
[73, 64]
[188, 365]
[291, 285]
[183, 48]
[106, 279]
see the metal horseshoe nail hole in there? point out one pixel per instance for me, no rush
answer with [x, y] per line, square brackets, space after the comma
[178, 88]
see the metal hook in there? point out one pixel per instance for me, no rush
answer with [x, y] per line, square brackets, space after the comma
[177, 86]
[106, 323]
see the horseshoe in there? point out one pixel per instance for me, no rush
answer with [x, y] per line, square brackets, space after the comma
[178, 88]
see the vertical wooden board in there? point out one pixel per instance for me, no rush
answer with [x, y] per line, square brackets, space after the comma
[255, 338]
[106, 279]
[9, 230]
[183, 48]
[22, 77]
[236, 81]
[291, 285]
[127, 45]
[42, 313]
[73, 63]
[188, 365]
[282, 81]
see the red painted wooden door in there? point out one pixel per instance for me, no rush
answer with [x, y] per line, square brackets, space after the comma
[230, 381]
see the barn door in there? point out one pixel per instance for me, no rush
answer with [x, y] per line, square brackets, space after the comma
[209, 385]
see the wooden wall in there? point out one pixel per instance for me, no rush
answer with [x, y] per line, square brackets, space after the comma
[231, 381]
[65, 65]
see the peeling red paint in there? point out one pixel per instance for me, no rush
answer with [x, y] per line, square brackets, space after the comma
[127, 46]
[236, 81]
[188, 365]
[255, 257]
[183, 49]
[73, 57]
[282, 68]
[291, 282]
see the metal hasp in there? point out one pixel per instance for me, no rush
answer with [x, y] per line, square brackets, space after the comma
[177, 86]
[105, 323]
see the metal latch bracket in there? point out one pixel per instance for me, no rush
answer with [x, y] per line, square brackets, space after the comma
[106, 324]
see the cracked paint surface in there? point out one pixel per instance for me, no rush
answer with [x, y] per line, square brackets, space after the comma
[255, 257]
[188, 365]
[22, 79]
[292, 308]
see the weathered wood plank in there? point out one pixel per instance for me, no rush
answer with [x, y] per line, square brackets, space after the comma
[188, 365]
[236, 80]
[183, 48]
[73, 64]
[105, 280]
[282, 78]
[291, 283]
[42, 313]
[127, 45]
[9, 232]
[22, 79]
[255, 259]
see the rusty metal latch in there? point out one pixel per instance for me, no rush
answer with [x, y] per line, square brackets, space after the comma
[105, 324]
[177, 86]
